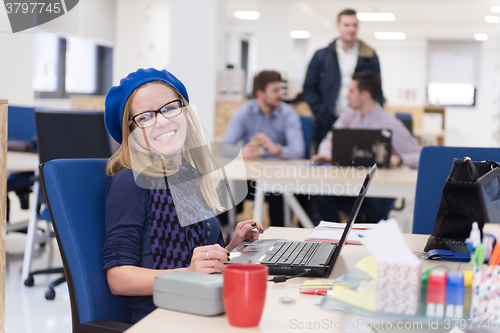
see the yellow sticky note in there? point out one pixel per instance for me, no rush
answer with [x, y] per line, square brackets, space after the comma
[361, 300]
[317, 284]
[369, 265]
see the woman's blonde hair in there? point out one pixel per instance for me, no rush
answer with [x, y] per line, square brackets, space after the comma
[195, 151]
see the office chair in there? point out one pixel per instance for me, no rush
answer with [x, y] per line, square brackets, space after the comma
[407, 120]
[64, 134]
[21, 129]
[434, 167]
[75, 190]
[307, 129]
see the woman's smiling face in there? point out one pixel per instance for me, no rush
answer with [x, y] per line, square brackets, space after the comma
[166, 136]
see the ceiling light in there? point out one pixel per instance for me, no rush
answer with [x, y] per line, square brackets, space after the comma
[390, 35]
[376, 17]
[492, 19]
[247, 15]
[481, 36]
[298, 34]
[495, 9]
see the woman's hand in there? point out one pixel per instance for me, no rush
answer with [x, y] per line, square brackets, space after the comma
[208, 259]
[244, 231]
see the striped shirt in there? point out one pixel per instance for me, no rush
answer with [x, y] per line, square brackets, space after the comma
[403, 143]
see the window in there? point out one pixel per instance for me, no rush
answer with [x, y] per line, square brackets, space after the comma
[68, 66]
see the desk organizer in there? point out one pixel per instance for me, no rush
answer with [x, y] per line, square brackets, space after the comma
[398, 288]
[485, 303]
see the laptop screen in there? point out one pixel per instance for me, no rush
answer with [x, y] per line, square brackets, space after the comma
[489, 192]
[361, 147]
[352, 217]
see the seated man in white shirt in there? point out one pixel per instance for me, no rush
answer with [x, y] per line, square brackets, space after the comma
[366, 113]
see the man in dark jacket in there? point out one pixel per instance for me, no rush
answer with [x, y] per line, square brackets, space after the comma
[330, 71]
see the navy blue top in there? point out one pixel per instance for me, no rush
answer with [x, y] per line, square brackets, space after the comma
[128, 233]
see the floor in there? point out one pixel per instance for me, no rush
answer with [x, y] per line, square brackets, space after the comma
[27, 310]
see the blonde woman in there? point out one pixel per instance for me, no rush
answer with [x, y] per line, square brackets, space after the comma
[162, 199]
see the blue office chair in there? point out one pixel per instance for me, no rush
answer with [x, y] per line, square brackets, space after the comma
[21, 129]
[307, 130]
[75, 190]
[407, 120]
[65, 134]
[434, 167]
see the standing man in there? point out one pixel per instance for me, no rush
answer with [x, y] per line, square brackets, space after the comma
[330, 72]
[266, 127]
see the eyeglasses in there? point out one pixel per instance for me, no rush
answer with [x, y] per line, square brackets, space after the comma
[148, 118]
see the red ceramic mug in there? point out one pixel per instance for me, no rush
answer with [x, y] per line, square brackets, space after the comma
[244, 293]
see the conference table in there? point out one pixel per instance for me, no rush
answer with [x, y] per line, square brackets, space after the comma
[289, 177]
[280, 317]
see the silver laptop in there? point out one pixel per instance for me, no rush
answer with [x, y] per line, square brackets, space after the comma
[292, 257]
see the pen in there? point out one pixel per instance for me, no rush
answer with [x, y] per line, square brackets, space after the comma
[315, 292]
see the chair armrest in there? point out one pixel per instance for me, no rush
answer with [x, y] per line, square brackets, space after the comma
[102, 326]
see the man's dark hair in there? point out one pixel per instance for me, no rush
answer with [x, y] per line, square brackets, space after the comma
[347, 11]
[261, 80]
[368, 81]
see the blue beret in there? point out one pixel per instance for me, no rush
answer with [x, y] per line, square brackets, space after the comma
[118, 95]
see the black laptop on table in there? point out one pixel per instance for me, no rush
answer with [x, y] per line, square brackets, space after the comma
[361, 147]
[292, 257]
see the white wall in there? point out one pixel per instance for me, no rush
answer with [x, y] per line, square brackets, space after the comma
[90, 19]
[16, 64]
[197, 53]
[403, 67]
[474, 126]
[142, 36]
[274, 45]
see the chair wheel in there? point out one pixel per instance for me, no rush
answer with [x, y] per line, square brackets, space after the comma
[29, 282]
[50, 294]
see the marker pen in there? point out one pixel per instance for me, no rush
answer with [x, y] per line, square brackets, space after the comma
[436, 293]
[455, 295]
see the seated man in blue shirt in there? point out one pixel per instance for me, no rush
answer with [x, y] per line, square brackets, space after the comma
[267, 127]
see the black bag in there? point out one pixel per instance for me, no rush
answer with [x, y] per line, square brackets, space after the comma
[460, 206]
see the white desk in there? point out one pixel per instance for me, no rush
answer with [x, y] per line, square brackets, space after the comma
[276, 317]
[290, 177]
[21, 162]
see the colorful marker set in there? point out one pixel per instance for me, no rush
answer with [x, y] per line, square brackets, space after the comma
[486, 251]
[485, 301]
[445, 294]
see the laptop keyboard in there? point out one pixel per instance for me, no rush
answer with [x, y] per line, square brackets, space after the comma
[290, 253]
